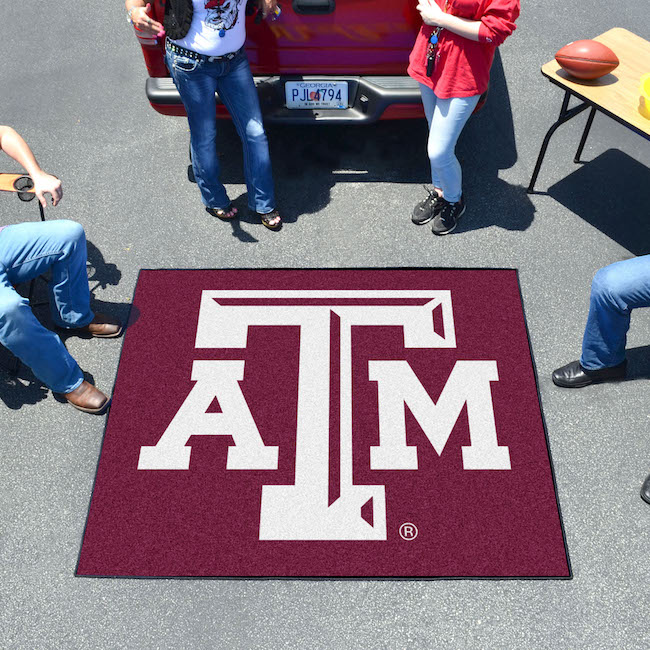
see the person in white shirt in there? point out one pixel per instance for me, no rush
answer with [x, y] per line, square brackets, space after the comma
[205, 54]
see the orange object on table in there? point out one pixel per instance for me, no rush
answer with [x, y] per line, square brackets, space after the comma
[616, 94]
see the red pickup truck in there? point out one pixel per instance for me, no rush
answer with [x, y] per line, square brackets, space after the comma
[340, 61]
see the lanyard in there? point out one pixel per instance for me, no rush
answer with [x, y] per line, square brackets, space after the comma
[433, 45]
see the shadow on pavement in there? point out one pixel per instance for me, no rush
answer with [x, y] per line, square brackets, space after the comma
[309, 160]
[638, 362]
[16, 392]
[612, 193]
[100, 271]
[486, 146]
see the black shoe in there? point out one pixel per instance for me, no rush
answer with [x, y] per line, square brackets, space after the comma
[573, 375]
[645, 489]
[426, 210]
[447, 219]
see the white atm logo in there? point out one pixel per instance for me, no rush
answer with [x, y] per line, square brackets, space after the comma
[301, 511]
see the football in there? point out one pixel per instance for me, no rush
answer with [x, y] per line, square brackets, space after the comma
[587, 59]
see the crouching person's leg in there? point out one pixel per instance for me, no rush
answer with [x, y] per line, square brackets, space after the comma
[29, 249]
[43, 351]
[616, 290]
[69, 293]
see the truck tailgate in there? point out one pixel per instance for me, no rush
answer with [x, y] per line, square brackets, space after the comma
[335, 37]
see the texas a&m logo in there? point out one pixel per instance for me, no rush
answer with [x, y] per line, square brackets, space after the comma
[302, 511]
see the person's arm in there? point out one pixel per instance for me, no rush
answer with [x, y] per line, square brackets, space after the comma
[433, 15]
[15, 147]
[142, 21]
[495, 25]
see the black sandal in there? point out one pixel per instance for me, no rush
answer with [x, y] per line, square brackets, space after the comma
[268, 217]
[222, 213]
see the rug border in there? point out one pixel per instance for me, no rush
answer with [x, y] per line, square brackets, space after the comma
[344, 578]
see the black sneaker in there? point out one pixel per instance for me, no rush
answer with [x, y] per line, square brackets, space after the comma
[448, 216]
[427, 209]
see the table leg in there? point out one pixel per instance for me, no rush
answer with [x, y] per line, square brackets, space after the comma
[566, 114]
[585, 135]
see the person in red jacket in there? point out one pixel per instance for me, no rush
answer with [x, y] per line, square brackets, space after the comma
[451, 60]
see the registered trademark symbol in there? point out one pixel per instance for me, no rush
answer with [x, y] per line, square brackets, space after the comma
[408, 531]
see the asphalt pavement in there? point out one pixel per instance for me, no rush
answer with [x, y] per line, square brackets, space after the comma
[72, 83]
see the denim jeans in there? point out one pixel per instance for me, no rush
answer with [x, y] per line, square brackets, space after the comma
[616, 290]
[197, 81]
[26, 251]
[446, 118]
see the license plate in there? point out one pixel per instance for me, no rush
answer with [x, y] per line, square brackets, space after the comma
[316, 94]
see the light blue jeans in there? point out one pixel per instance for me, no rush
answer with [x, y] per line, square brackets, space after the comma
[616, 290]
[26, 251]
[446, 118]
[197, 81]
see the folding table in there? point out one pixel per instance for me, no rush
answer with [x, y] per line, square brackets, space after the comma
[616, 94]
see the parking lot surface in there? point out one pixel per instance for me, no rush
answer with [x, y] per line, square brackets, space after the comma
[72, 83]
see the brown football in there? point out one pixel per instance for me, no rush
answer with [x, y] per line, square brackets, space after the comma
[587, 59]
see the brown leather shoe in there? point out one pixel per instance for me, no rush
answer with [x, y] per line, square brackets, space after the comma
[88, 399]
[102, 327]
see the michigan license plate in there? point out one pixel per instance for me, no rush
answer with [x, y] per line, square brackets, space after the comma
[315, 94]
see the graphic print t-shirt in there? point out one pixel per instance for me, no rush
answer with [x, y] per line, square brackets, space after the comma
[218, 27]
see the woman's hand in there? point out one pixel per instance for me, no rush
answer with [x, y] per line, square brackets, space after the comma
[431, 13]
[47, 184]
[144, 23]
[267, 6]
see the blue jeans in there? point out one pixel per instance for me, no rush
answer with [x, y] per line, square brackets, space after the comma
[446, 118]
[26, 251]
[197, 81]
[616, 290]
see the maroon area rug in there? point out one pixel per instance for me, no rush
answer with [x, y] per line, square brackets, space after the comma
[325, 423]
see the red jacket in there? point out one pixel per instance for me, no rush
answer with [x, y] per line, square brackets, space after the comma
[463, 66]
